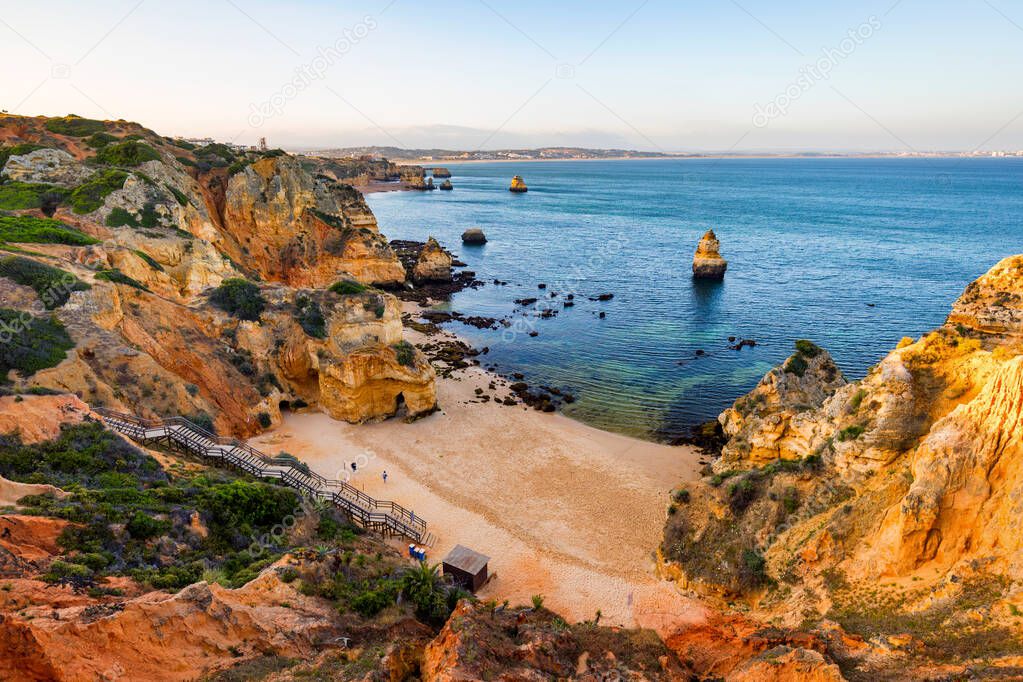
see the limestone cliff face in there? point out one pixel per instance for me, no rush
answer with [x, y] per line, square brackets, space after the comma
[913, 474]
[290, 227]
[172, 223]
[708, 263]
[772, 422]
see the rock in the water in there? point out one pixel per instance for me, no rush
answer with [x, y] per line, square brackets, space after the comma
[441, 173]
[708, 263]
[518, 185]
[474, 235]
[434, 264]
[446, 185]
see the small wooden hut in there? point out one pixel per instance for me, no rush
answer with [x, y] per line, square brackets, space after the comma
[466, 568]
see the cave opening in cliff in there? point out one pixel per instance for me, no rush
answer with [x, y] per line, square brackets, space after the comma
[400, 408]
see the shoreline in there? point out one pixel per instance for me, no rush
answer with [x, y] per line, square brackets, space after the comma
[446, 163]
[564, 510]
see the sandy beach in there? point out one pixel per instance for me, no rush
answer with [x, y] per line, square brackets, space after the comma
[563, 510]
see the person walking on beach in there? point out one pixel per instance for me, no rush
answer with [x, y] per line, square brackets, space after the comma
[354, 467]
[385, 476]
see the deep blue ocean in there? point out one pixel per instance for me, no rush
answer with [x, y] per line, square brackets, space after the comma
[853, 254]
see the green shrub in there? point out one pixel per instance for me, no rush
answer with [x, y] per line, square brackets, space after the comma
[23, 229]
[347, 287]
[99, 140]
[681, 496]
[75, 126]
[29, 344]
[851, 433]
[147, 218]
[741, 495]
[21, 196]
[808, 348]
[131, 154]
[796, 365]
[89, 196]
[310, 317]
[65, 570]
[17, 150]
[143, 526]
[118, 277]
[179, 196]
[406, 353]
[752, 571]
[150, 261]
[239, 298]
[204, 421]
[53, 285]
[857, 399]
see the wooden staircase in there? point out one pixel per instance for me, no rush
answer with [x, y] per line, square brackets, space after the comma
[383, 516]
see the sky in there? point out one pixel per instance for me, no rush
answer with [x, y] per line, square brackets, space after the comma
[657, 75]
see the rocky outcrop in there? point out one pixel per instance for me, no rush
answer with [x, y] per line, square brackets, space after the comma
[474, 237]
[292, 228]
[441, 173]
[51, 166]
[480, 643]
[376, 382]
[162, 637]
[518, 185]
[708, 263]
[773, 420]
[446, 185]
[910, 477]
[433, 264]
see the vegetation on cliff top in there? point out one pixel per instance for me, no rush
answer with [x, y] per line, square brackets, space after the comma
[53, 285]
[21, 196]
[75, 126]
[89, 196]
[25, 229]
[132, 153]
[29, 343]
[239, 298]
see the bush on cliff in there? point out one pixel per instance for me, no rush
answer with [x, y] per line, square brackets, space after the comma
[310, 317]
[53, 285]
[348, 287]
[130, 154]
[406, 353]
[29, 344]
[75, 126]
[17, 150]
[20, 196]
[23, 229]
[118, 277]
[89, 196]
[239, 298]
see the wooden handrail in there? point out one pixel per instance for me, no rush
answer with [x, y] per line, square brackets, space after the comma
[293, 472]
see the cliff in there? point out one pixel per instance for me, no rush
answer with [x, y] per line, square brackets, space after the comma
[883, 504]
[150, 237]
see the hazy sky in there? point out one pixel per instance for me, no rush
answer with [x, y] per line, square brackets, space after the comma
[662, 74]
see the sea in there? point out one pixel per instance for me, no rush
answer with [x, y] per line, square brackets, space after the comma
[851, 253]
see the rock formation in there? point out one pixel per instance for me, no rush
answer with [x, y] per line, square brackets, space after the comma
[902, 485]
[433, 265]
[708, 263]
[441, 173]
[174, 227]
[446, 185]
[518, 185]
[474, 236]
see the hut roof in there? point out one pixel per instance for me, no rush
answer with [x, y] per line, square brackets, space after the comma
[466, 560]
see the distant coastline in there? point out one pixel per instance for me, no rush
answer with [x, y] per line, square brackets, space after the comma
[430, 163]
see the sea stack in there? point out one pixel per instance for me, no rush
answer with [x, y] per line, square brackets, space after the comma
[708, 263]
[441, 173]
[474, 237]
[446, 185]
[433, 264]
[518, 185]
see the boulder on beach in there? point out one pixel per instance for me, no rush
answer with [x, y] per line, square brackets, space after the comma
[708, 263]
[433, 265]
[518, 185]
[474, 236]
[446, 185]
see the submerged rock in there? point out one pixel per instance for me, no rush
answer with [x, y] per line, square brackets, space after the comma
[474, 236]
[518, 185]
[708, 263]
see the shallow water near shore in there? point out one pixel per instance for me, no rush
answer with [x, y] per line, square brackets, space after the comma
[853, 254]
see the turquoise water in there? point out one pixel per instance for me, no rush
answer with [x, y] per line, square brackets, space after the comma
[851, 253]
